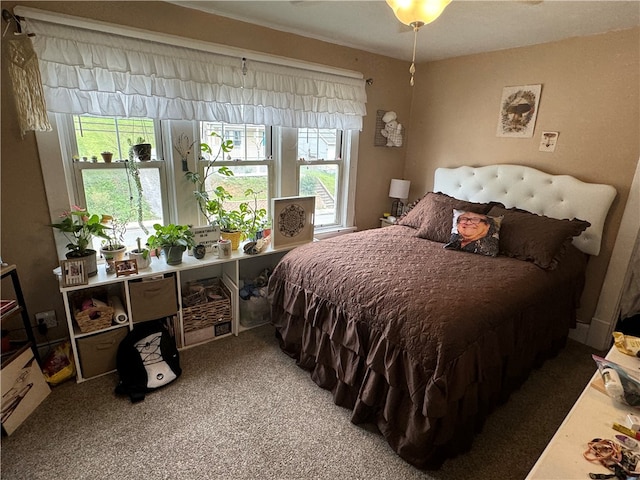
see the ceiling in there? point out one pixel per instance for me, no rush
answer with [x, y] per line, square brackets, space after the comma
[466, 26]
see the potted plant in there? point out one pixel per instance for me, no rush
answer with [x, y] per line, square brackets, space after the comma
[140, 148]
[173, 240]
[255, 218]
[231, 222]
[200, 180]
[113, 248]
[142, 256]
[79, 227]
[107, 156]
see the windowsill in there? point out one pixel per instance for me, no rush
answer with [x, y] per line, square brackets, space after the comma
[333, 232]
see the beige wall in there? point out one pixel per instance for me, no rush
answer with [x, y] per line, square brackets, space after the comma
[26, 239]
[589, 94]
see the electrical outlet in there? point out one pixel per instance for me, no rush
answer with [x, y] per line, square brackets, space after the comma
[47, 318]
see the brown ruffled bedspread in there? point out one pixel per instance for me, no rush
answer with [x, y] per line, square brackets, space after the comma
[421, 341]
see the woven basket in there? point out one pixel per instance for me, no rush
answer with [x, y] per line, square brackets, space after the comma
[92, 318]
[214, 305]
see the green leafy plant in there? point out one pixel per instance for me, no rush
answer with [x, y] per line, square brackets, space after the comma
[133, 172]
[255, 218]
[227, 220]
[171, 235]
[115, 240]
[200, 180]
[79, 227]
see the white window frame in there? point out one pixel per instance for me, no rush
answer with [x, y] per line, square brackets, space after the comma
[339, 162]
[56, 151]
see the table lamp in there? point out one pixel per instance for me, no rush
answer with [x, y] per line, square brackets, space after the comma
[399, 191]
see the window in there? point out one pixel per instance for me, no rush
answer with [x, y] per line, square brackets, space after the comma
[320, 170]
[247, 160]
[272, 161]
[110, 187]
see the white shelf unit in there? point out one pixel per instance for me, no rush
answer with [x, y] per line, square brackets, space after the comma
[230, 271]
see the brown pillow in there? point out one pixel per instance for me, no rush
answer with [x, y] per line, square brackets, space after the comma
[433, 213]
[536, 238]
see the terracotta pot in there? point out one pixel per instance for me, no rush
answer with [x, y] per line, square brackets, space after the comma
[107, 157]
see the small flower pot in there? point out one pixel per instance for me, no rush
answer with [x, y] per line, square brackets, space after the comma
[140, 259]
[107, 157]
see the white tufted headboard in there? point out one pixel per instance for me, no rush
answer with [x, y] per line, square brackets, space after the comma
[557, 196]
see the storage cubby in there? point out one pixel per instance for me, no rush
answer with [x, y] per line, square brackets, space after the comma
[254, 275]
[153, 297]
[169, 292]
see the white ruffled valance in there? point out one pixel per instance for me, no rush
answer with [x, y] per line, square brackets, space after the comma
[92, 72]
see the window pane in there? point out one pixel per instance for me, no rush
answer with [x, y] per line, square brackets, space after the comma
[95, 135]
[255, 178]
[249, 141]
[321, 181]
[318, 144]
[111, 191]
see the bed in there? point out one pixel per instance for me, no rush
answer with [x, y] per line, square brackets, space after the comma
[424, 341]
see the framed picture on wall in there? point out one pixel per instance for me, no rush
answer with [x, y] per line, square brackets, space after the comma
[518, 111]
[292, 220]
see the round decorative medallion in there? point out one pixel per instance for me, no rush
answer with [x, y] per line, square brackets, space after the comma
[292, 219]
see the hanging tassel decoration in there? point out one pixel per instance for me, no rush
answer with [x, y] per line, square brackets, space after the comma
[25, 77]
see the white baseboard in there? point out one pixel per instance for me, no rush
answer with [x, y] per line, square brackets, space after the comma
[596, 334]
[580, 333]
[599, 334]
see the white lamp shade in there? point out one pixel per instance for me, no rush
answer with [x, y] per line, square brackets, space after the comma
[399, 188]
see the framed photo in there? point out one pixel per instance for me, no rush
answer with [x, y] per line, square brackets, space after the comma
[518, 111]
[74, 273]
[292, 220]
[126, 267]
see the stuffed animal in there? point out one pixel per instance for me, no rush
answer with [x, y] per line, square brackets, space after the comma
[392, 130]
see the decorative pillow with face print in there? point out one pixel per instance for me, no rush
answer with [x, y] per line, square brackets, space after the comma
[475, 233]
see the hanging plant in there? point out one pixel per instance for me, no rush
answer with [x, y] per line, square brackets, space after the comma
[133, 173]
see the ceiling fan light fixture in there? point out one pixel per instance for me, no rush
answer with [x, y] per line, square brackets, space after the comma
[417, 11]
[416, 14]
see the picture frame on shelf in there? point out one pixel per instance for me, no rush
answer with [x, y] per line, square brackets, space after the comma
[126, 267]
[293, 219]
[74, 272]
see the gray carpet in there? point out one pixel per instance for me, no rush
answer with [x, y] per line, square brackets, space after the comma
[244, 410]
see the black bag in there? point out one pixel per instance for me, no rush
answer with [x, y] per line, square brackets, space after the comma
[147, 359]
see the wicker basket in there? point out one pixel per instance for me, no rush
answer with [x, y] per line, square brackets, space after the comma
[210, 303]
[93, 318]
